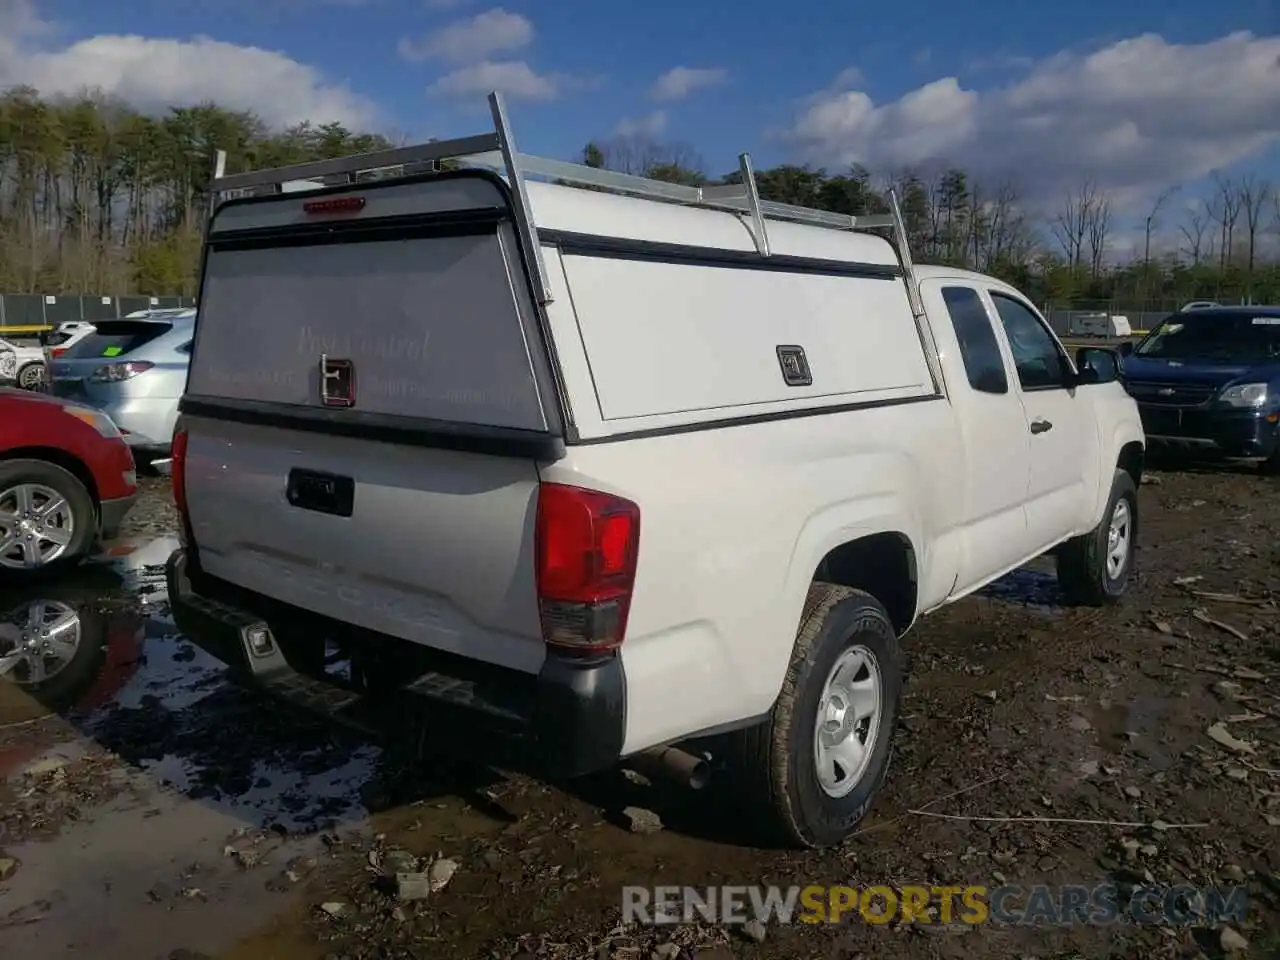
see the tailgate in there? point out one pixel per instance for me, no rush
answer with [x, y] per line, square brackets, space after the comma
[368, 399]
[437, 547]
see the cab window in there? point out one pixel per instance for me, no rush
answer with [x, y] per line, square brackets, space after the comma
[1036, 356]
[979, 349]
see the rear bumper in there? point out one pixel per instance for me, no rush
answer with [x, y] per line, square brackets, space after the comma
[111, 514]
[147, 421]
[1226, 433]
[145, 446]
[567, 721]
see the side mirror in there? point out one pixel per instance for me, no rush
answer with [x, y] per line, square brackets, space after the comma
[1125, 348]
[1097, 365]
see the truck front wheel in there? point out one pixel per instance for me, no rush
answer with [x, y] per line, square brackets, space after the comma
[812, 769]
[1094, 569]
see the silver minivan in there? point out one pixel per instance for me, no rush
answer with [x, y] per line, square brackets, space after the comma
[133, 369]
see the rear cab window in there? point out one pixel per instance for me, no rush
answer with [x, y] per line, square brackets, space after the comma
[419, 295]
[979, 349]
[116, 338]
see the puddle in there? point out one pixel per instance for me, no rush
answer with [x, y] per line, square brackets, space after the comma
[68, 649]
[139, 563]
[193, 760]
[129, 681]
[1030, 587]
[1141, 726]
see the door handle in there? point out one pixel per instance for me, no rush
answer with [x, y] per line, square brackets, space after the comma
[1040, 425]
[321, 492]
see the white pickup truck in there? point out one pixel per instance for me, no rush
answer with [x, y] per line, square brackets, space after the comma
[603, 471]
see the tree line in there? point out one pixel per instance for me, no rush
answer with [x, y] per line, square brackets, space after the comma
[99, 198]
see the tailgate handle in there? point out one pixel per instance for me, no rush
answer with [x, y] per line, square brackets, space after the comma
[321, 492]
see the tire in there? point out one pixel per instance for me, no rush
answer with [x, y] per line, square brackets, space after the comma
[1270, 467]
[30, 376]
[779, 758]
[1085, 575]
[29, 474]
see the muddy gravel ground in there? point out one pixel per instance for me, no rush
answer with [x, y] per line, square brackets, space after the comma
[150, 809]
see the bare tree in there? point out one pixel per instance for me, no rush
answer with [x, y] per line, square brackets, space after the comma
[1252, 196]
[1070, 227]
[1151, 220]
[1193, 232]
[1226, 207]
[1098, 227]
[1002, 235]
[641, 156]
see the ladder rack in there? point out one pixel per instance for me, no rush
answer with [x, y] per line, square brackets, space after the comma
[496, 151]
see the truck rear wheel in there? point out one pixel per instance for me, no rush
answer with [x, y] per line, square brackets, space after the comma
[812, 769]
[1094, 569]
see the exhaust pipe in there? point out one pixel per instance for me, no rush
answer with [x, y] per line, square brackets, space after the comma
[672, 763]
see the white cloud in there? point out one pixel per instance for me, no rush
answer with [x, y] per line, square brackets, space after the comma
[476, 38]
[513, 78]
[1134, 116]
[678, 82]
[152, 73]
[651, 125]
[846, 78]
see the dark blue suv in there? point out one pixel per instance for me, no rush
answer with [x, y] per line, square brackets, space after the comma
[1208, 381]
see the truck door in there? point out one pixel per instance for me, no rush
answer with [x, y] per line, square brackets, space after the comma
[1058, 424]
[992, 480]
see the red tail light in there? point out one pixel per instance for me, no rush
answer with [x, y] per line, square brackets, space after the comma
[178, 470]
[115, 372]
[334, 205]
[587, 547]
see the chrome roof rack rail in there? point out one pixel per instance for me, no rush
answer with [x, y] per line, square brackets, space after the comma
[496, 150]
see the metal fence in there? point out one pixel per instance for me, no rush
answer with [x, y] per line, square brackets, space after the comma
[31, 312]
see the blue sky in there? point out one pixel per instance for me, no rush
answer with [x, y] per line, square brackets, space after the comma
[1134, 95]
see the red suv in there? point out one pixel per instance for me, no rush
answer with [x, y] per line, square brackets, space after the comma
[67, 479]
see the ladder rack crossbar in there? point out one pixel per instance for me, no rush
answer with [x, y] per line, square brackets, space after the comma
[358, 163]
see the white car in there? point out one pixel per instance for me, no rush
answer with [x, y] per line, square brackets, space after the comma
[67, 335]
[30, 362]
[8, 364]
[600, 474]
